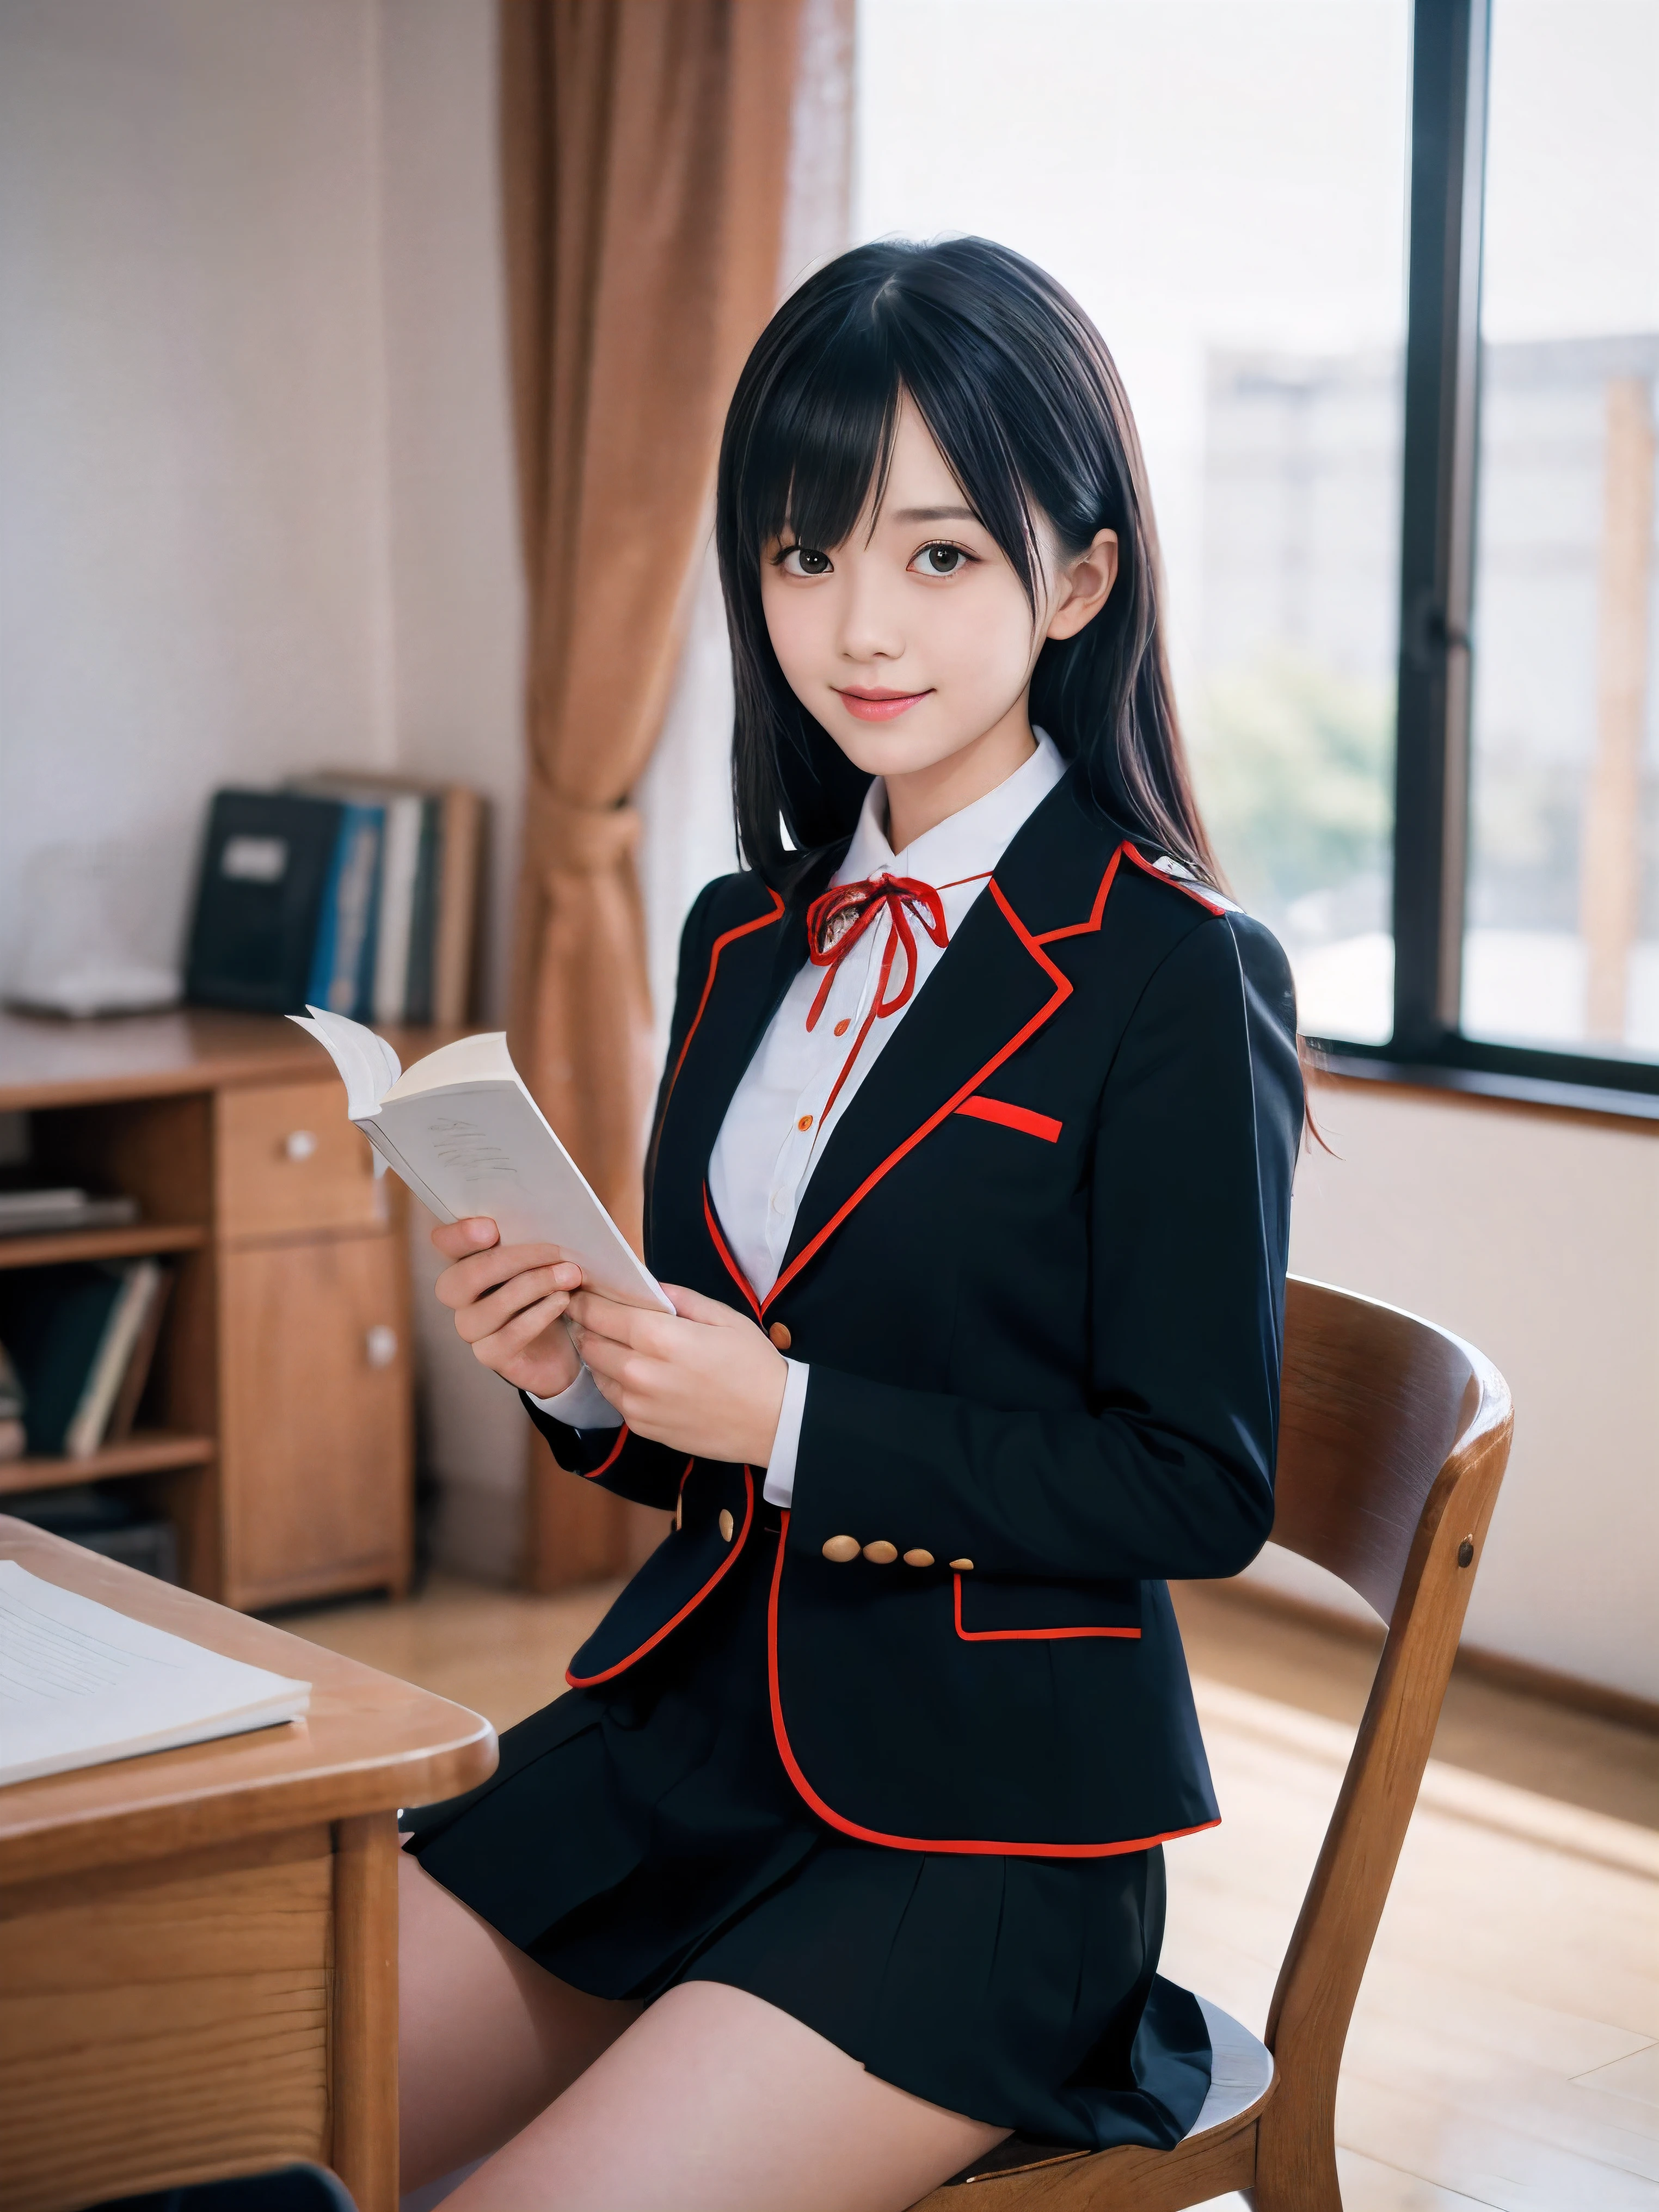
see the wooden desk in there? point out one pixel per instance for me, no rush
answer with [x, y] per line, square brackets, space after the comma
[277, 1434]
[200, 1947]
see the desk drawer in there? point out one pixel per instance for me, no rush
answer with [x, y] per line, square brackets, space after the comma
[288, 1162]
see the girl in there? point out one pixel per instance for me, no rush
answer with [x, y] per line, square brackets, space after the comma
[841, 1860]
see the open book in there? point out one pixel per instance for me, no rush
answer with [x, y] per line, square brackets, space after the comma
[466, 1135]
[81, 1684]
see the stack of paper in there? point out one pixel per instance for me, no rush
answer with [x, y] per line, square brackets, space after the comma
[81, 1683]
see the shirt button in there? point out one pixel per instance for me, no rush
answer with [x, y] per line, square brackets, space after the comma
[804, 1123]
[843, 1027]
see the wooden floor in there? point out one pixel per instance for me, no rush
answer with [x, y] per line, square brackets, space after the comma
[1506, 2047]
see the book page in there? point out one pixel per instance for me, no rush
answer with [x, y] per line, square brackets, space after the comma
[81, 1683]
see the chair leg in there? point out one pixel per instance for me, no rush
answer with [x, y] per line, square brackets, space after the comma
[1296, 2156]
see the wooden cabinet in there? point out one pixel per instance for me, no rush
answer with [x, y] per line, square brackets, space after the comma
[278, 1430]
[314, 1417]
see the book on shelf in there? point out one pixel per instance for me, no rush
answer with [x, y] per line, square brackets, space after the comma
[53, 1212]
[81, 1336]
[429, 902]
[13, 1437]
[464, 1133]
[346, 890]
[84, 1684]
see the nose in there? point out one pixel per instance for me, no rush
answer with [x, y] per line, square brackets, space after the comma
[870, 629]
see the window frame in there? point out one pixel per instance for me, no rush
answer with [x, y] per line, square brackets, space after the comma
[1451, 44]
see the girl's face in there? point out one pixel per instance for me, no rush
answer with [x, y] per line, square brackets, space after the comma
[914, 639]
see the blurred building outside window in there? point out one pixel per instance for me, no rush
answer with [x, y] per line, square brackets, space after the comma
[1561, 938]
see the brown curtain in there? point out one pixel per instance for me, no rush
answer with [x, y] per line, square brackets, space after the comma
[645, 149]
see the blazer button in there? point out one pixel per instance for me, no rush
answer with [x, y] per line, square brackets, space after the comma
[881, 1553]
[918, 1559]
[841, 1549]
[727, 1524]
[780, 1336]
[962, 1566]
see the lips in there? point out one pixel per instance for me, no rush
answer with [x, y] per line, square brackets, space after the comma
[877, 705]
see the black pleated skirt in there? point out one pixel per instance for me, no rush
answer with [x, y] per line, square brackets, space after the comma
[645, 1832]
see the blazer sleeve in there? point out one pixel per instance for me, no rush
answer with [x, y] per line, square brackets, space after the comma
[634, 1467]
[1169, 1471]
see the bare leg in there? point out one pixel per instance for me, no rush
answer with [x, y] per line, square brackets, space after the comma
[486, 2038]
[716, 2102]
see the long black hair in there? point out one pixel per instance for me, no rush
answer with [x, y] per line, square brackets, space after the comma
[1026, 404]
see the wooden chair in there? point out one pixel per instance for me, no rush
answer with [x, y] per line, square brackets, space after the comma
[1394, 1438]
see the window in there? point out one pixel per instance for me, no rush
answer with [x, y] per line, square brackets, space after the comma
[1561, 925]
[1223, 189]
[1407, 501]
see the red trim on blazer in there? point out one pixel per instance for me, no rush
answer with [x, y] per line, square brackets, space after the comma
[1013, 1117]
[726, 938]
[1062, 992]
[587, 1681]
[610, 1459]
[724, 1249]
[805, 1790]
[1177, 883]
[1027, 1635]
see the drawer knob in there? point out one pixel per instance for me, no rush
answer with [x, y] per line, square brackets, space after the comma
[300, 1144]
[381, 1344]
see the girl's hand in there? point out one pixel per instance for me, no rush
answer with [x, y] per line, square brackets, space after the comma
[509, 1302]
[704, 1379]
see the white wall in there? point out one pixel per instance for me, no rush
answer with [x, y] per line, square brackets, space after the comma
[256, 491]
[1535, 1235]
[194, 582]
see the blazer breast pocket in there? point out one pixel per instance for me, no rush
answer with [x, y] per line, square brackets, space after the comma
[1010, 1609]
[1023, 1118]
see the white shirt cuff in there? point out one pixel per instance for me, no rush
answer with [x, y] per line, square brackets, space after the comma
[779, 1488]
[583, 1406]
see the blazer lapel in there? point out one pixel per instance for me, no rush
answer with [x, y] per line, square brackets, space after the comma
[996, 985]
[752, 964]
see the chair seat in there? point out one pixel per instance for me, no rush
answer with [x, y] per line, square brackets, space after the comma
[1241, 2069]
[1241, 2072]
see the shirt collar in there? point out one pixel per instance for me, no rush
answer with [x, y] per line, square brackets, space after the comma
[967, 843]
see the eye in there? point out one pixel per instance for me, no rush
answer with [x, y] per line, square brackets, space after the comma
[803, 561]
[941, 560]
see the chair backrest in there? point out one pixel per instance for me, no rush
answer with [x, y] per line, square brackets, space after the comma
[1394, 1437]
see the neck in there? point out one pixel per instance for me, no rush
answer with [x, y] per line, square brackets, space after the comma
[923, 798]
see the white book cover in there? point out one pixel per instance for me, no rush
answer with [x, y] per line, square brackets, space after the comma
[398, 862]
[81, 1683]
[463, 1132]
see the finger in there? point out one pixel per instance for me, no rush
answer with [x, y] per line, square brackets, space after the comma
[516, 1336]
[455, 1239]
[485, 1316]
[691, 1306]
[635, 1325]
[472, 1278]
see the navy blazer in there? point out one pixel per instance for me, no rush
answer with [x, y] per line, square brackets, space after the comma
[1038, 1272]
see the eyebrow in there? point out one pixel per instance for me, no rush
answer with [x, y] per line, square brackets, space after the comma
[935, 515]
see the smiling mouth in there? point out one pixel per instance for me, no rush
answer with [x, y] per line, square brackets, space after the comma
[877, 705]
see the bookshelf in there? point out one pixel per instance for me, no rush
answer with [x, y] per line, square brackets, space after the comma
[276, 1430]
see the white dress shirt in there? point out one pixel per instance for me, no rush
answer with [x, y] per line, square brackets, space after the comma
[801, 1081]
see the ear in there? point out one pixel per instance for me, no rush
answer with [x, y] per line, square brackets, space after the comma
[1085, 586]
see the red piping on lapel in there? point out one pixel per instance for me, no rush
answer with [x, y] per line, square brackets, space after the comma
[803, 1788]
[587, 1681]
[1062, 992]
[1013, 1117]
[720, 1246]
[726, 938]
[1028, 1634]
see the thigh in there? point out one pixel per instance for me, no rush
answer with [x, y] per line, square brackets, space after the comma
[714, 2101]
[486, 2038]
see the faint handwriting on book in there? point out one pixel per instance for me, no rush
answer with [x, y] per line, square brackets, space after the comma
[472, 1151]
